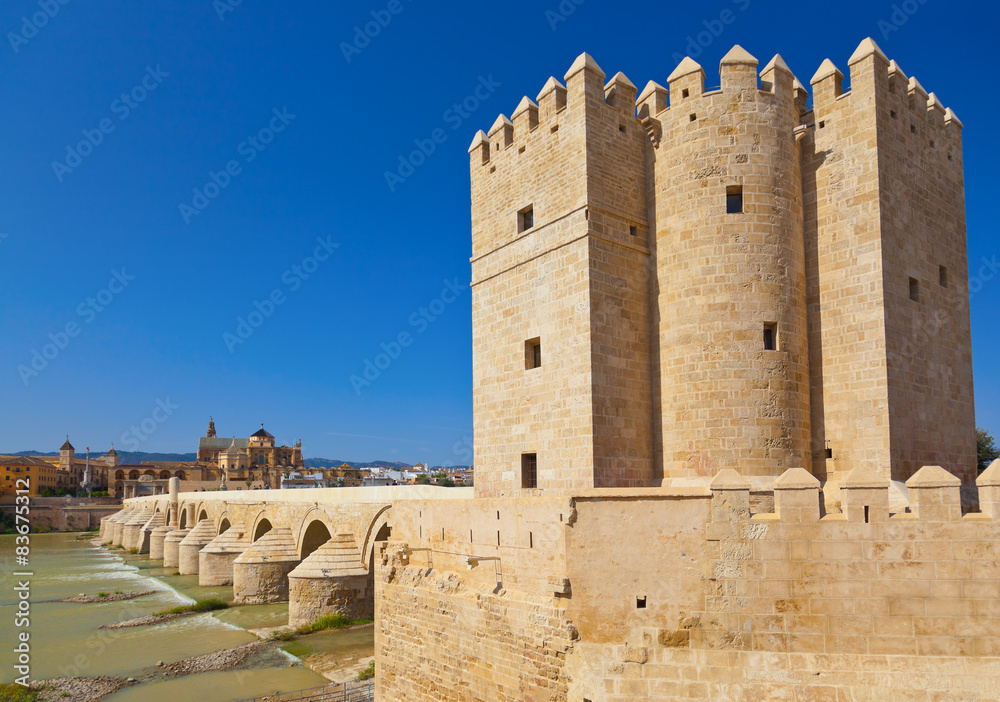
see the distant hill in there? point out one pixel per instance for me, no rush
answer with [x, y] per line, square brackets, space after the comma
[124, 457]
[137, 457]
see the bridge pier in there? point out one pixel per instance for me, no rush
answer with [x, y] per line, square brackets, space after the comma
[130, 529]
[260, 574]
[143, 539]
[215, 561]
[171, 547]
[156, 539]
[193, 543]
[330, 581]
[118, 527]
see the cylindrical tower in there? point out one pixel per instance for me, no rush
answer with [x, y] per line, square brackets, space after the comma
[734, 365]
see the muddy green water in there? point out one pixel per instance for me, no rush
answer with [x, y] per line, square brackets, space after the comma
[65, 640]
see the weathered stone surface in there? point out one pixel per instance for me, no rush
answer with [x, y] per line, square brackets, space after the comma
[188, 550]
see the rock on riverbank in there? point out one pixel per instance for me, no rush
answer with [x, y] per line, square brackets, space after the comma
[79, 689]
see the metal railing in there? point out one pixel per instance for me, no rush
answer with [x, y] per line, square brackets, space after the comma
[334, 692]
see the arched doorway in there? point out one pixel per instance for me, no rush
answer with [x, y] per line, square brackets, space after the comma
[316, 535]
[180, 474]
[133, 475]
[263, 526]
[164, 475]
[119, 475]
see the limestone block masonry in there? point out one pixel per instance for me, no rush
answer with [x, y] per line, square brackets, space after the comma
[260, 573]
[189, 549]
[331, 580]
[215, 560]
[694, 280]
[172, 547]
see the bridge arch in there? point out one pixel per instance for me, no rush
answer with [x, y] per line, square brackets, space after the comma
[224, 523]
[182, 522]
[379, 530]
[314, 531]
[261, 525]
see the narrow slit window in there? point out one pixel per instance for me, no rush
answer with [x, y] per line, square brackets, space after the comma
[866, 514]
[770, 337]
[734, 199]
[532, 354]
[529, 470]
[914, 290]
[525, 219]
[943, 276]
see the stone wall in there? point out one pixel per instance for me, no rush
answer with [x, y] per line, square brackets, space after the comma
[670, 594]
[58, 516]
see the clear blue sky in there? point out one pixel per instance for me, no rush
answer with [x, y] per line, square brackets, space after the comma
[198, 87]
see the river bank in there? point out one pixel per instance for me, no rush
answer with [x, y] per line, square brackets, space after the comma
[68, 643]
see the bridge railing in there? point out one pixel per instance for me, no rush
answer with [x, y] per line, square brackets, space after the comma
[334, 692]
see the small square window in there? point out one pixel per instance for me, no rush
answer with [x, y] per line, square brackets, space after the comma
[525, 219]
[529, 470]
[640, 603]
[914, 290]
[892, 113]
[532, 354]
[693, 117]
[913, 129]
[822, 125]
[943, 276]
[771, 337]
[685, 93]
[621, 128]
[633, 230]
[734, 199]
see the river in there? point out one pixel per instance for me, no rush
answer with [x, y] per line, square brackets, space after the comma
[65, 640]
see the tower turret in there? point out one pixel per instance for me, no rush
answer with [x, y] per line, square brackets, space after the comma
[731, 273]
[560, 291]
[211, 428]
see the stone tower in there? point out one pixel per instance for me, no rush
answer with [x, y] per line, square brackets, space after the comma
[211, 428]
[731, 278]
[66, 455]
[730, 259]
[563, 391]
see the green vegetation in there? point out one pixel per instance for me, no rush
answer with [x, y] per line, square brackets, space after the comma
[118, 592]
[423, 479]
[102, 594]
[986, 448]
[209, 604]
[327, 621]
[368, 673]
[17, 693]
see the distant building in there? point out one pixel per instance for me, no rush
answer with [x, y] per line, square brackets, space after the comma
[37, 473]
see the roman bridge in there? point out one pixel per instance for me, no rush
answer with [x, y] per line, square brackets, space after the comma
[313, 548]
